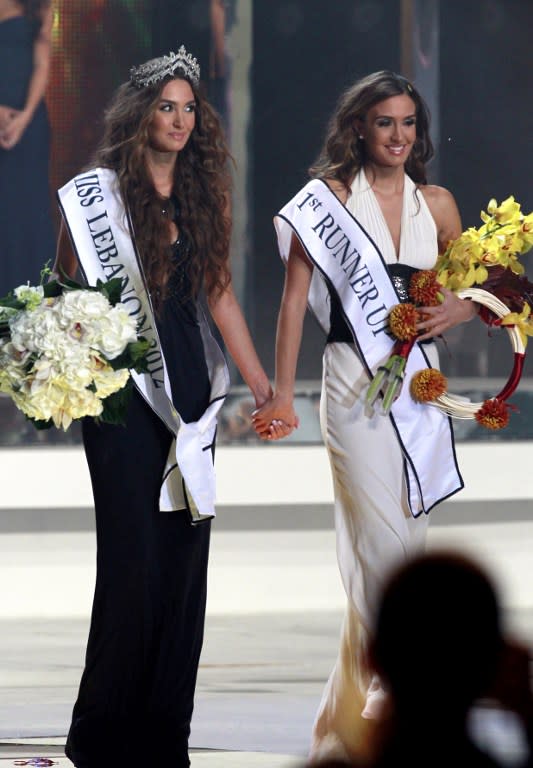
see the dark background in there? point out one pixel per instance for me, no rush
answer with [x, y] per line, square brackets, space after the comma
[308, 51]
[305, 52]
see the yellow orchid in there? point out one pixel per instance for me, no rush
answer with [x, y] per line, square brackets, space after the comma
[487, 257]
[526, 232]
[508, 211]
[522, 321]
[505, 234]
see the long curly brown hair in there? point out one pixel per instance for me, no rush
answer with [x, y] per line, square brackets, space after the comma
[344, 154]
[202, 185]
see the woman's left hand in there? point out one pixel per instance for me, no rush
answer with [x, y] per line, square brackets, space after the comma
[451, 312]
[274, 419]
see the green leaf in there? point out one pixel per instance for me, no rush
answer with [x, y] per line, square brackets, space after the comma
[52, 289]
[375, 385]
[69, 284]
[11, 302]
[40, 423]
[116, 406]
[134, 356]
[45, 273]
[111, 289]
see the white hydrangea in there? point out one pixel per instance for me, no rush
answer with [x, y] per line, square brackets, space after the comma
[55, 363]
[114, 332]
[30, 295]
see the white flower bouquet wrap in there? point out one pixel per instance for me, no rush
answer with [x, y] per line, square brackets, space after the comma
[66, 352]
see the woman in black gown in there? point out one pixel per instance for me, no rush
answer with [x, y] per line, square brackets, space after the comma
[27, 239]
[135, 700]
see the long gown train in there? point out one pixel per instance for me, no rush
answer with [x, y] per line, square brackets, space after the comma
[374, 531]
[136, 694]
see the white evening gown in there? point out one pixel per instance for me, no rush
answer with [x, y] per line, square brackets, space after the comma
[374, 527]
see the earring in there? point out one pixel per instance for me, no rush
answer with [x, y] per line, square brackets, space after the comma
[361, 138]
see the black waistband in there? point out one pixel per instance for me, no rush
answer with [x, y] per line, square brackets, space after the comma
[400, 275]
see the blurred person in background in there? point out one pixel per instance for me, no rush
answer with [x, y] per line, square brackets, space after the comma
[442, 653]
[440, 648]
[27, 237]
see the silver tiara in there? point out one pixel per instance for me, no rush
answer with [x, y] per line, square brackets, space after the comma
[156, 69]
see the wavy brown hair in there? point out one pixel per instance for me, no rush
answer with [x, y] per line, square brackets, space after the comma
[202, 185]
[344, 154]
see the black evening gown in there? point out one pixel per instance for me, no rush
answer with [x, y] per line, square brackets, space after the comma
[27, 237]
[135, 700]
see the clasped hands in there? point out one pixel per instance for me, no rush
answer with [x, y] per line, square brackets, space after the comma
[275, 419]
[12, 125]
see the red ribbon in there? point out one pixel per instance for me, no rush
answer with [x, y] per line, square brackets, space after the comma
[402, 348]
[514, 378]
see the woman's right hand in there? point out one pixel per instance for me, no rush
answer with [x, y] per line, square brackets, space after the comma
[6, 115]
[13, 130]
[275, 419]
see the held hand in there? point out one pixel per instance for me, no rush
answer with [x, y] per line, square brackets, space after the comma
[263, 394]
[6, 114]
[11, 133]
[275, 419]
[451, 312]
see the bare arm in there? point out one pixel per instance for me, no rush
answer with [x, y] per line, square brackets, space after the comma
[37, 86]
[218, 28]
[289, 332]
[452, 311]
[288, 339]
[66, 262]
[445, 212]
[230, 321]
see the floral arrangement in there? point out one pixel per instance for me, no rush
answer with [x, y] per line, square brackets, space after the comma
[66, 351]
[482, 264]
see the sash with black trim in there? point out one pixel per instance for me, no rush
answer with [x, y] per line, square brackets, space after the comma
[343, 252]
[102, 236]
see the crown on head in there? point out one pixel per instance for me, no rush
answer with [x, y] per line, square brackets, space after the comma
[156, 69]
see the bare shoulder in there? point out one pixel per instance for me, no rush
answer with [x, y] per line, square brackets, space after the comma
[444, 210]
[438, 198]
[47, 19]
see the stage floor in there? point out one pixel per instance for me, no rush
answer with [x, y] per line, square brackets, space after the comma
[274, 612]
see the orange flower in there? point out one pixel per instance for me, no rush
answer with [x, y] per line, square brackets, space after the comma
[428, 384]
[424, 288]
[493, 414]
[402, 321]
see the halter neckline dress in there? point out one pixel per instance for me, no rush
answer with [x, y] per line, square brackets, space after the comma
[374, 527]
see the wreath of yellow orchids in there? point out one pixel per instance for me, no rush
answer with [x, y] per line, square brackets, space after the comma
[430, 386]
[505, 235]
[482, 264]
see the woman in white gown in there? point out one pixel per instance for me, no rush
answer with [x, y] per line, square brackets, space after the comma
[373, 160]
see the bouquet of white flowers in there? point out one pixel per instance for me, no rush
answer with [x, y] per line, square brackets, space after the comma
[66, 351]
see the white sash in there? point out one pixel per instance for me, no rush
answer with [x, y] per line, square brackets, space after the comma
[101, 234]
[340, 249]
